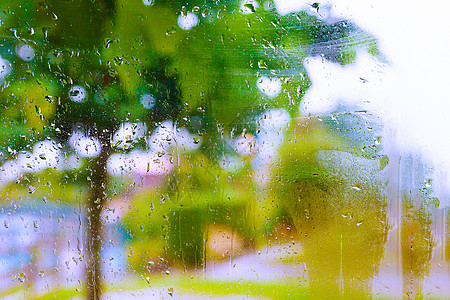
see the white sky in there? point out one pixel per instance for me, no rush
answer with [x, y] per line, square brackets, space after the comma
[410, 93]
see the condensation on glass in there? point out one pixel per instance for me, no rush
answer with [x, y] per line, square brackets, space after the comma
[230, 149]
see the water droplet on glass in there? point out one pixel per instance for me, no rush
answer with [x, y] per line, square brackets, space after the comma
[170, 291]
[107, 43]
[262, 65]
[183, 11]
[31, 189]
[248, 6]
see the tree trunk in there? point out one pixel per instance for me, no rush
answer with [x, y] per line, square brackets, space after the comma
[94, 226]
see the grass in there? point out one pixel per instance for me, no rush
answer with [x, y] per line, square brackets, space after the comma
[194, 286]
[186, 285]
[61, 293]
[258, 289]
[11, 291]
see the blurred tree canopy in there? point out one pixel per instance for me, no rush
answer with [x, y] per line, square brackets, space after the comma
[120, 50]
[94, 65]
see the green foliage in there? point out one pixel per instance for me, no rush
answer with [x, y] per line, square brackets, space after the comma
[417, 242]
[173, 220]
[146, 224]
[77, 24]
[335, 199]
[269, 290]
[120, 50]
[297, 161]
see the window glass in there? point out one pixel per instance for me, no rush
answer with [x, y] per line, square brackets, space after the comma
[226, 149]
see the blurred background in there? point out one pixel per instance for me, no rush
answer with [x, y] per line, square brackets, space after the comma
[234, 149]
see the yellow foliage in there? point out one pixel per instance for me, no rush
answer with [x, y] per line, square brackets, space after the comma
[37, 106]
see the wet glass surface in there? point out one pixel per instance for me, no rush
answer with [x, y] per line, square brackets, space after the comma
[236, 149]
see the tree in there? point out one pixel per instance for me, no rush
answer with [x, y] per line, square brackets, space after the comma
[86, 67]
[76, 91]
[336, 199]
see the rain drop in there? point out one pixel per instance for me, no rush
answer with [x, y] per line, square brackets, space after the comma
[248, 6]
[31, 189]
